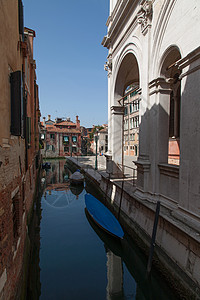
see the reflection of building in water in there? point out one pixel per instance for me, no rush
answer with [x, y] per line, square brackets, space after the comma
[58, 192]
[58, 173]
[115, 276]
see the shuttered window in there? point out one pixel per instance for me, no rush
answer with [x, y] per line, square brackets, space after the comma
[16, 103]
[21, 18]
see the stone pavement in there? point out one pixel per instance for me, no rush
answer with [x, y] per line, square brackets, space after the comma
[88, 164]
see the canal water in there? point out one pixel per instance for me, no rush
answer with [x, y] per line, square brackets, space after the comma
[72, 259]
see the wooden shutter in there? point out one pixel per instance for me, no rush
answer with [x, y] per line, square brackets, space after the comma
[21, 18]
[16, 102]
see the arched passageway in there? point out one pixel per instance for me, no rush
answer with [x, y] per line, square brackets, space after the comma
[125, 111]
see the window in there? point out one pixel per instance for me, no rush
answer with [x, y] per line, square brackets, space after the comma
[131, 108]
[51, 147]
[16, 103]
[52, 136]
[65, 139]
[126, 110]
[126, 124]
[133, 93]
[66, 149]
[126, 137]
[74, 149]
[131, 123]
[132, 136]
[74, 139]
[136, 150]
[21, 18]
[136, 105]
[136, 122]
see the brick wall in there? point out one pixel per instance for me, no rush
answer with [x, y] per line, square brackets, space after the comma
[16, 197]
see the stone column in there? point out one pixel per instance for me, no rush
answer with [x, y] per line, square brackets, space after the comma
[189, 178]
[117, 115]
[158, 136]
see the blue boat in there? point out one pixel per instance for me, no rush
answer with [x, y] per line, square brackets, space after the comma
[103, 217]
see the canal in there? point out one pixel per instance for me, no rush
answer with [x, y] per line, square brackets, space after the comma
[72, 259]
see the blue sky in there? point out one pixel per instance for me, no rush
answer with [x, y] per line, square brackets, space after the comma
[70, 58]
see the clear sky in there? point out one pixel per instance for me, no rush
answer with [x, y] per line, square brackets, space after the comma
[70, 58]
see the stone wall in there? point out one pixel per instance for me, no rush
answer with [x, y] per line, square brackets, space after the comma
[177, 252]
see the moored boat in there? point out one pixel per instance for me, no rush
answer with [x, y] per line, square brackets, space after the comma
[103, 217]
[76, 178]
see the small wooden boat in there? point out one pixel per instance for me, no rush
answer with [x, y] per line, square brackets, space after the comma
[103, 217]
[76, 178]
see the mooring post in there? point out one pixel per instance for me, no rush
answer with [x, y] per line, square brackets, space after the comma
[149, 264]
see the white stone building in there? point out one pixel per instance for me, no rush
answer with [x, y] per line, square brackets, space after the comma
[156, 45]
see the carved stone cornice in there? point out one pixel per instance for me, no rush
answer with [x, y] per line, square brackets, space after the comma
[144, 15]
[117, 110]
[159, 85]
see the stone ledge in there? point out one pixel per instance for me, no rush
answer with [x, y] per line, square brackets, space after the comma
[169, 170]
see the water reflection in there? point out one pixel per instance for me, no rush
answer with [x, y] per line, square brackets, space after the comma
[57, 189]
[77, 259]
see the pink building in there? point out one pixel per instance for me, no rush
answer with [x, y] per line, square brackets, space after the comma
[60, 137]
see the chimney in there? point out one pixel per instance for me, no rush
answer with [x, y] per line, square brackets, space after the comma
[49, 117]
[44, 122]
[77, 122]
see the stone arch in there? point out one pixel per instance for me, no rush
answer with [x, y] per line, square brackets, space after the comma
[159, 33]
[126, 71]
[167, 65]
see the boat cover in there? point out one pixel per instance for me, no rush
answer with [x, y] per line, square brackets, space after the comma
[77, 176]
[102, 216]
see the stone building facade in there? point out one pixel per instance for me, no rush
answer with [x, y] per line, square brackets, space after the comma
[61, 137]
[155, 45]
[19, 144]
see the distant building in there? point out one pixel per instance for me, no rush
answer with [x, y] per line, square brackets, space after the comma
[61, 137]
[103, 141]
[131, 103]
[99, 140]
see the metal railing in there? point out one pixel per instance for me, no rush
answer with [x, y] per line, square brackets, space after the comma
[134, 172]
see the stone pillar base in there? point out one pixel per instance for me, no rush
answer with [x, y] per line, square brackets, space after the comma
[112, 168]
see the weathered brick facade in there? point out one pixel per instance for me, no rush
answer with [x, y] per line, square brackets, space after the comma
[19, 143]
